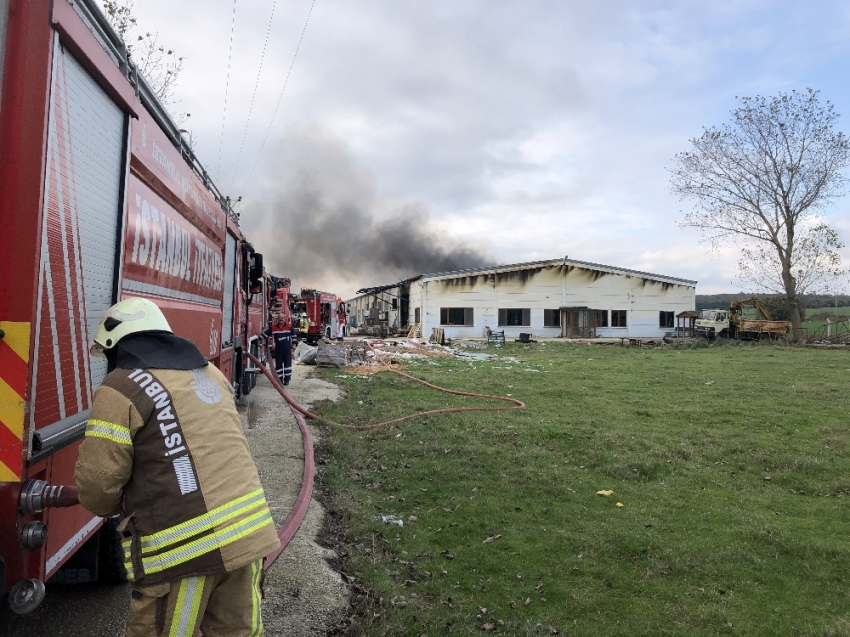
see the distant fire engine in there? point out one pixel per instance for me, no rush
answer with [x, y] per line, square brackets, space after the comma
[321, 309]
[100, 199]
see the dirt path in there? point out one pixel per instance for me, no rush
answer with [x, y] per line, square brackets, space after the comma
[304, 595]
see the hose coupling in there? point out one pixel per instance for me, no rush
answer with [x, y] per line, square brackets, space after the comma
[37, 495]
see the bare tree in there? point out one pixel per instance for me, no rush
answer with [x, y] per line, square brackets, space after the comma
[762, 182]
[816, 263]
[161, 66]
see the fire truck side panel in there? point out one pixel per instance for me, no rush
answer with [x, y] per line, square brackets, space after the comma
[229, 300]
[68, 526]
[160, 165]
[22, 150]
[23, 133]
[175, 264]
[23, 129]
[81, 224]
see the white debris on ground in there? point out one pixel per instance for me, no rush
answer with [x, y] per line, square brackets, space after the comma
[371, 352]
[366, 356]
[305, 354]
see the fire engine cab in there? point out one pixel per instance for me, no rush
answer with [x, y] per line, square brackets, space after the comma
[321, 310]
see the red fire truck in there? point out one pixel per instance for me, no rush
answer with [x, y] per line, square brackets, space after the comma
[321, 310]
[100, 199]
[282, 299]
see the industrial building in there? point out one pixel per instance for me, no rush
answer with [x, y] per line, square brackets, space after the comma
[382, 305]
[559, 297]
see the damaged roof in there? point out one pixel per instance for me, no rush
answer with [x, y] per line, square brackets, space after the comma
[553, 263]
[380, 288]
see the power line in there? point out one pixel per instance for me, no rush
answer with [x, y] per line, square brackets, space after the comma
[226, 91]
[280, 97]
[256, 84]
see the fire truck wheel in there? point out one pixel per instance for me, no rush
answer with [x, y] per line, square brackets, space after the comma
[110, 557]
[26, 595]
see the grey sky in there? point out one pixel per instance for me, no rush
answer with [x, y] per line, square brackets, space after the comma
[524, 130]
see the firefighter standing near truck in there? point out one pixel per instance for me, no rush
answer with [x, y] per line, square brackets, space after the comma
[165, 448]
[303, 326]
[281, 333]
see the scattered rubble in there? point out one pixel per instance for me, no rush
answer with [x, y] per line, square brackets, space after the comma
[361, 356]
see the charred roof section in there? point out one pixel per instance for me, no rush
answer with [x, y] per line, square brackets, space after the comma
[597, 271]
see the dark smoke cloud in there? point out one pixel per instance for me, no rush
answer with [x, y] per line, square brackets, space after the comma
[325, 225]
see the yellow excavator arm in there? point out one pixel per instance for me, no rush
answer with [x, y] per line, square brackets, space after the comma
[737, 307]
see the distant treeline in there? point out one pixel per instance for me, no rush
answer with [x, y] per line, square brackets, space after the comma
[774, 303]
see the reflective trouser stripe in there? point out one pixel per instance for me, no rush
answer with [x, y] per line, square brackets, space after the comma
[211, 542]
[127, 546]
[226, 512]
[256, 599]
[186, 609]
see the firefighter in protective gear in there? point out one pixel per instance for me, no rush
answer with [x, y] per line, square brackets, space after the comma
[303, 326]
[281, 332]
[165, 448]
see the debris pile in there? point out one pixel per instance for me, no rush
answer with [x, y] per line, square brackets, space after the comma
[365, 352]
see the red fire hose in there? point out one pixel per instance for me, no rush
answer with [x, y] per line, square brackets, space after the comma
[296, 516]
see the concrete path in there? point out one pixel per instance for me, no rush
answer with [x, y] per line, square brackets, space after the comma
[304, 595]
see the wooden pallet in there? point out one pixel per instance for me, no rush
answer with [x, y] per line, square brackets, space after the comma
[415, 331]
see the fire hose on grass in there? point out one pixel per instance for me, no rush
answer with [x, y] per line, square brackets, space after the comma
[296, 516]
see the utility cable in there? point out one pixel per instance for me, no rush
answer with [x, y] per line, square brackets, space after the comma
[226, 91]
[253, 97]
[286, 81]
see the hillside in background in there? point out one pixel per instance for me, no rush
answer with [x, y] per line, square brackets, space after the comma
[811, 301]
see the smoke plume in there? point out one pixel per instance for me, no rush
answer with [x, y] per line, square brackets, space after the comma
[325, 225]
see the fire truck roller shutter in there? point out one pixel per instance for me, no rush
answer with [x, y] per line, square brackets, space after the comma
[229, 282]
[80, 238]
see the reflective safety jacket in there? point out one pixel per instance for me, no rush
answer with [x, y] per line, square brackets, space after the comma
[165, 448]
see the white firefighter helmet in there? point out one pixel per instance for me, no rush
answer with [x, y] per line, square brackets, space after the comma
[124, 318]
[303, 314]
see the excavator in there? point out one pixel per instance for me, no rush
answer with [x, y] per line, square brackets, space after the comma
[731, 323]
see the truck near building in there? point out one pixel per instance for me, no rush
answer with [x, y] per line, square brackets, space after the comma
[100, 199]
[321, 309]
[732, 324]
[282, 297]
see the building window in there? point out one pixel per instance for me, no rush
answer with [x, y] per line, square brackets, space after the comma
[666, 319]
[600, 318]
[514, 317]
[416, 315]
[456, 316]
[395, 304]
[618, 318]
[551, 318]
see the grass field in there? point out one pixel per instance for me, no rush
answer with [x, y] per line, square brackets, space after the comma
[731, 463]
